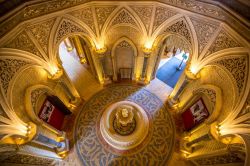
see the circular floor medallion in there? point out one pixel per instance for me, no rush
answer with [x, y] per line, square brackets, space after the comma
[155, 145]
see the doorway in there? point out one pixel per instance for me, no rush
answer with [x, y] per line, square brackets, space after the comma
[173, 60]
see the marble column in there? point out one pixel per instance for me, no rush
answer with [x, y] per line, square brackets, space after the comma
[98, 62]
[62, 78]
[183, 81]
[79, 49]
[58, 143]
[144, 67]
[68, 44]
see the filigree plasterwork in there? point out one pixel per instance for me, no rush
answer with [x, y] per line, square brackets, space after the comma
[102, 13]
[221, 159]
[123, 44]
[245, 110]
[27, 159]
[211, 94]
[222, 41]
[41, 32]
[161, 15]
[86, 16]
[237, 66]
[8, 68]
[180, 28]
[23, 42]
[145, 14]
[35, 95]
[49, 6]
[204, 31]
[124, 17]
[67, 27]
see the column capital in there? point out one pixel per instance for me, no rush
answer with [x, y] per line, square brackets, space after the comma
[190, 75]
[216, 134]
[101, 51]
[31, 132]
[57, 73]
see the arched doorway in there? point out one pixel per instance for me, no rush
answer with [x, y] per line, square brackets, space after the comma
[172, 60]
[76, 58]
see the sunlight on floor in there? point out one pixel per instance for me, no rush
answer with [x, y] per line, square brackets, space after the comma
[83, 80]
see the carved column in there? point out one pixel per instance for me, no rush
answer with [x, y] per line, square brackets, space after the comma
[106, 79]
[68, 44]
[98, 57]
[62, 78]
[185, 78]
[58, 143]
[79, 49]
[158, 58]
[144, 67]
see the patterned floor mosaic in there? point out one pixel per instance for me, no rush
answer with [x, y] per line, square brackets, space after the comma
[156, 150]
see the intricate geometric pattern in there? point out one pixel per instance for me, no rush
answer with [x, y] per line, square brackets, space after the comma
[123, 44]
[124, 17]
[8, 68]
[222, 159]
[237, 66]
[23, 42]
[34, 96]
[145, 14]
[67, 27]
[41, 32]
[102, 13]
[222, 41]
[204, 31]
[180, 28]
[86, 16]
[211, 94]
[161, 15]
[27, 159]
[159, 147]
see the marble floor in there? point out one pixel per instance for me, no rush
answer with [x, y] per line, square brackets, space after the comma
[88, 86]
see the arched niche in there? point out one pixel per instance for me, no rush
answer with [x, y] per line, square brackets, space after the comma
[123, 56]
[212, 97]
[34, 98]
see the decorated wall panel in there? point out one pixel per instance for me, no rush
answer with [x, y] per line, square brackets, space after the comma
[8, 68]
[222, 41]
[204, 30]
[23, 42]
[237, 66]
[145, 13]
[41, 32]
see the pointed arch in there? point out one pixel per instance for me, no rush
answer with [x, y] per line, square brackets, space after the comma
[121, 16]
[243, 85]
[64, 28]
